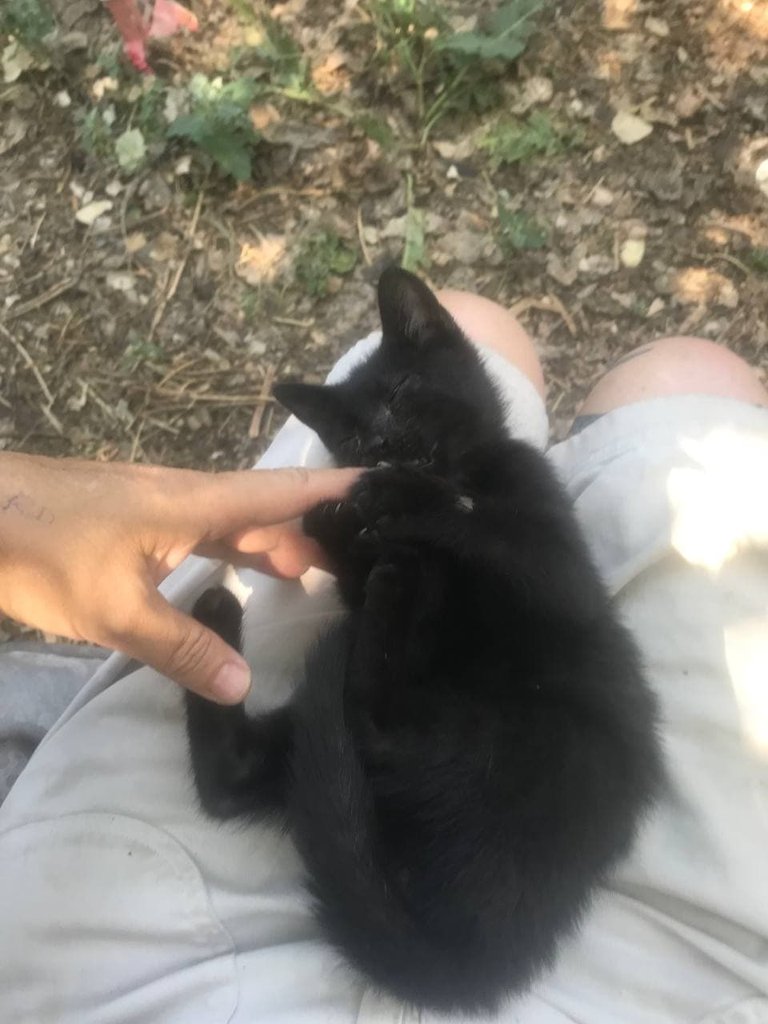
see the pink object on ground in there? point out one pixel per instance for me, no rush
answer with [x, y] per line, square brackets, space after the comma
[167, 18]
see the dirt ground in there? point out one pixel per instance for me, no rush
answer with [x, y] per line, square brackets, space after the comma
[155, 333]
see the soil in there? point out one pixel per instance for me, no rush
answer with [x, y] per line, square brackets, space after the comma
[155, 334]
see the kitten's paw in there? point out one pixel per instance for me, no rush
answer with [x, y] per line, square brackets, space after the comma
[386, 496]
[333, 524]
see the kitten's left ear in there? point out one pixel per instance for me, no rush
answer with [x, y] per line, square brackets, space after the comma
[410, 311]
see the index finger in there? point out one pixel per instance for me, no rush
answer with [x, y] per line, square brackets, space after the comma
[234, 501]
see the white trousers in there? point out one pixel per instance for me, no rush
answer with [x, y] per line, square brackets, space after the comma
[122, 903]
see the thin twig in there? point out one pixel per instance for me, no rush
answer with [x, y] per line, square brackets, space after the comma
[360, 235]
[258, 413]
[174, 281]
[38, 377]
[548, 304]
[40, 300]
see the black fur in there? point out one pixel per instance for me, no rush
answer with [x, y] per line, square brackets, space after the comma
[472, 749]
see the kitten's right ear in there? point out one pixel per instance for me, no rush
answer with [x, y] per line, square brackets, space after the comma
[320, 406]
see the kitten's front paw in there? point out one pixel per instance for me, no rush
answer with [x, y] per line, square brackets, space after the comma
[334, 525]
[392, 494]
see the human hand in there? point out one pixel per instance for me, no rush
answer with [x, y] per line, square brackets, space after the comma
[83, 546]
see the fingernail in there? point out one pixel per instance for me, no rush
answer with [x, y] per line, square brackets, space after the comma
[232, 683]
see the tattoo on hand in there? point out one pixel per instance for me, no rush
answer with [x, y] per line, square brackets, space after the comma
[26, 506]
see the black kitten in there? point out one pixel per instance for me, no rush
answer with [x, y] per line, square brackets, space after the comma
[473, 747]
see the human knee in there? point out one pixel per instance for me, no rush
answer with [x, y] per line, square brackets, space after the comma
[676, 365]
[492, 326]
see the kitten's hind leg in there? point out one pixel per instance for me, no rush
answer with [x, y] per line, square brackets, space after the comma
[219, 610]
[239, 763]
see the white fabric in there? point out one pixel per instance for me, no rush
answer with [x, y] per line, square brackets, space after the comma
[121, 902]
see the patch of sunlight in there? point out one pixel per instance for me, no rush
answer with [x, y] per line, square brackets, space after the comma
[618, 14]
[751, 14]
[261, 262]
[746, 652]
[720, 503]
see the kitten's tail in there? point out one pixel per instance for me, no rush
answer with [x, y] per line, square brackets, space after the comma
[360, 909]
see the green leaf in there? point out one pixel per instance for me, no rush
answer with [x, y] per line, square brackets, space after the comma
[230, 153]
[187, 126]
[130, 150]
[510, 142]
[376, 128]
[519, 230]
[414, 253]
[757, 259]
[505, 37]
[322, 255]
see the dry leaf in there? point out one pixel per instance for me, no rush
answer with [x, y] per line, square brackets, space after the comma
[262, 261]
[699, 286]
[263, 115]
[135, 242]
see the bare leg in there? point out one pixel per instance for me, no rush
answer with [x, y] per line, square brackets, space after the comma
[675, 366]
[490, 325]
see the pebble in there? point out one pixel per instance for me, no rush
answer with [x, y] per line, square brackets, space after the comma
[91, 212]
[657, 27]
[632, 252]
[602, 197]
[629, 128]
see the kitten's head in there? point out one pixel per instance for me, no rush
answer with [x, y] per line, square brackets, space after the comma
[422, 396]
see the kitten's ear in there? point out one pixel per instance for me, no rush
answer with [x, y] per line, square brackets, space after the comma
[319, 406]
[410, 311]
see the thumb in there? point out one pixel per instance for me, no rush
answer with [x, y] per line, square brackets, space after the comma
[189, 653]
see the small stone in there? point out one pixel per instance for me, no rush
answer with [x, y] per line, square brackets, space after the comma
[632, 252]
[537, 90]
[656, 307]
[62, 99]
[602, 197]
[450, 150]
[91, 212]
[596, 266]
[120, 281]
[183, 166]
[104, 85]
[114, 188]
[564, 274]
[629, 128]
[657, 27]
[689, 103]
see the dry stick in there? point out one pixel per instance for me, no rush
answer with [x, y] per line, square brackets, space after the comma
[258, 413]
[548, 304]
[160, 311]
[136, 442]
[363, 247]
[39, 378]
[40, 300]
